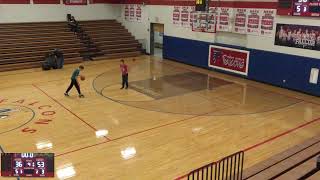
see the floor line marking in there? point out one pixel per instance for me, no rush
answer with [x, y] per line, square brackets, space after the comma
[268, 140]
[249, 85]
[281, 134]
[89, 125]
[132, 134]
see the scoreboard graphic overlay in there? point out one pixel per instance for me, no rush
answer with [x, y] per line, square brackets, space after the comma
[27, 164]
[306, 8]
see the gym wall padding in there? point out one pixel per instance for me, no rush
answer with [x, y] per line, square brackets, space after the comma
[264, 66]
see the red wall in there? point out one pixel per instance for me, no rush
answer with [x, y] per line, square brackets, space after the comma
[236, 4]
[14, 1]
[46, 1]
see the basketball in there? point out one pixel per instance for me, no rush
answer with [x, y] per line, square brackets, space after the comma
[82, 78]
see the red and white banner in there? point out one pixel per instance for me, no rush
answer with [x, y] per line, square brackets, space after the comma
[240, 21]
[192, 12]
[126, 12]
[75, 2]
[138, 13]
[185, 16]
[267, 22]
[176, 15]
[229, 59]
[224, 20]
[212, 19]
[253, 21]
[132, 12]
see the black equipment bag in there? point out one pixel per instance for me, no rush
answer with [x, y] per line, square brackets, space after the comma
[46, 66]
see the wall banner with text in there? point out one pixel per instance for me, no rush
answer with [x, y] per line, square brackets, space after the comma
[176, 15]
[225, 15]
[253, 21]
[267, 22]
[240, 21]
[126, 12]
[229, 59]
[185, 15]
[138, 13]
[298, 36]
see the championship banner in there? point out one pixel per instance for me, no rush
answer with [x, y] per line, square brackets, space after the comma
[224, 19]
[298, 36]
[267, 21]
[75, 2]
[126, 12]
[253, 21]
[138, 13]
[229, 59]
[212, 15]
[240, 21]
[191, 12]
[176, 15]
[132, 12]
[185, 16]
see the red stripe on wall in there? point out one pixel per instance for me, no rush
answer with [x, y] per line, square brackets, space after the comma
[14, 1]
[69, 2]
[108, 2]
[46, 1]
[234, 4]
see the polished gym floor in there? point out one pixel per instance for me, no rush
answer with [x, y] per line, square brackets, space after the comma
[173, 118]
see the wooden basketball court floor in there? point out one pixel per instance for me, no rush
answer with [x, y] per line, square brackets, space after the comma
[174, 118]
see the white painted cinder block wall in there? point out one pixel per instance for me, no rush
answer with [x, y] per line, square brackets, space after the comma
[11, 13]
[163, 14]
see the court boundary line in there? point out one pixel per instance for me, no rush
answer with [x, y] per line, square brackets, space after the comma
[69, 66]
[131, 134]
[64, 107]
[20, 126]
[247, 149]
[186, 119]
[269, 140]
[204, 114]
[174, 63]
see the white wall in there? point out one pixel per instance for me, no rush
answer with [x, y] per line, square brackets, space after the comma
[159, 14]
[10, 13]
[163, 14]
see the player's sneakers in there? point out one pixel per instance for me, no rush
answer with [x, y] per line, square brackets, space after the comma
[66, 94]
[81, 96]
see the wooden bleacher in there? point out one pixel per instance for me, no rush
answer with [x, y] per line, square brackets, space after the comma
[298, 162]
[24, 45]
[111, 38]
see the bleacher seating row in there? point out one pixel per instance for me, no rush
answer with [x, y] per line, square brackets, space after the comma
[111, 38]
[297, 163]
[24, 45]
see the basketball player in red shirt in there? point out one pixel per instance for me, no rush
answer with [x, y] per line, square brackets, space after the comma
[124, 72]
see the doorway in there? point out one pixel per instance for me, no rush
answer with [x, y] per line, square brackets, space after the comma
[156, 39]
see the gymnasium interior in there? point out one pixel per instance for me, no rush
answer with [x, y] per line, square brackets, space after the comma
[216, 89]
